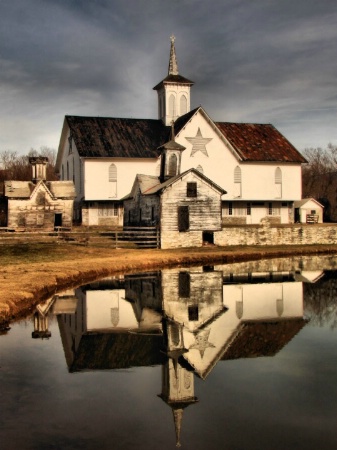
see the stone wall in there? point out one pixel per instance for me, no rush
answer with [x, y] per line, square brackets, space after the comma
[269, 234]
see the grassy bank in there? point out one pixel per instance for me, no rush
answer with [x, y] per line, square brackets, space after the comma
[32, 272]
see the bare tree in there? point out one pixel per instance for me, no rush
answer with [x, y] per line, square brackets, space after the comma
[320, 178]
[17, 167]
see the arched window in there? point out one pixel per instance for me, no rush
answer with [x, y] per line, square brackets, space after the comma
[200, 169]
[278, 183]
[73, 170]
[237, 182]
[172, 166]
[113, 181]
[183, 105]
[172, 108]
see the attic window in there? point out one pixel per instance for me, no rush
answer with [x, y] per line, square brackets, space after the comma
[191, 189]
[70, 140]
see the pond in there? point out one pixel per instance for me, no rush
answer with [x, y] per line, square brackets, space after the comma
[239, 356]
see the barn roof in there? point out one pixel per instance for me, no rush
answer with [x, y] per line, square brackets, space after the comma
[259, 142]
[101, 351]
[108, 137]
[117, 137]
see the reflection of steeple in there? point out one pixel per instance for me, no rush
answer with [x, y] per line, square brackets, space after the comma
[177, 382]
[177, 392]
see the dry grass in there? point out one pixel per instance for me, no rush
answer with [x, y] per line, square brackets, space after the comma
[32, 272]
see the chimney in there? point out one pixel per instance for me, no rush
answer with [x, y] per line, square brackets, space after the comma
[39, 168]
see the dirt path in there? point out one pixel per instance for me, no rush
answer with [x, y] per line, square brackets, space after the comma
[24, 283]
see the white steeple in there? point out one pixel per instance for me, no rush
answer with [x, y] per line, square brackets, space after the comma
[173, 91]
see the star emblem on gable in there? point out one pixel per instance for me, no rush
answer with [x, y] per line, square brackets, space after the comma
[198, 143]
[201, 343]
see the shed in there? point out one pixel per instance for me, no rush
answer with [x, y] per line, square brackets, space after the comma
[39, 204]
[308, 210]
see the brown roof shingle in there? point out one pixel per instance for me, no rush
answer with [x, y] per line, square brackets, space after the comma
[259, 142]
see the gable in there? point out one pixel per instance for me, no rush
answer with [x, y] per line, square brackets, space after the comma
[247, 141]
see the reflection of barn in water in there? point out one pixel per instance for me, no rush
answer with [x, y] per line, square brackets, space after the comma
[183, 319]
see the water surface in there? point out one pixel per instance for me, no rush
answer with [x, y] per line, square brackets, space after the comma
[205, 357]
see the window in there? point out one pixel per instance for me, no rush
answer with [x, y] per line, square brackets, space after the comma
[237, 182]
[278, 183]
[172, 166]
[81, 175]
[230, 208]
[172, 106]
[200, 169]
[183, 218]
[249, 209]
[193, 313]
[184, 284]
[273, 211]
[74, 170]
[192, 189]
[107, 210]
[113, 181]
[70, 141]
[183, 105]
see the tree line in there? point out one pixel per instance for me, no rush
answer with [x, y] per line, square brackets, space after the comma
[16, 167]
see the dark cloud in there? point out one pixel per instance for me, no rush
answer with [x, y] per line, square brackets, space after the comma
[261, 61]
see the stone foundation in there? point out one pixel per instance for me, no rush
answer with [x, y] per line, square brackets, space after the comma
[269, 234]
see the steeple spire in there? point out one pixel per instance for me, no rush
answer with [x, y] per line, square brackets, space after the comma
[173, 91]
[173, 65]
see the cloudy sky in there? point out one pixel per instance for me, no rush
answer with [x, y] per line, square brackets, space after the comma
[264, 61]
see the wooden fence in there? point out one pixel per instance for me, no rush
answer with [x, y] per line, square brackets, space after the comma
[131, 237]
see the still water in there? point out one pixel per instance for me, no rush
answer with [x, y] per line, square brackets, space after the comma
[231, 357]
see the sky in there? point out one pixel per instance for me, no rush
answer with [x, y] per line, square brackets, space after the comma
[261, 61]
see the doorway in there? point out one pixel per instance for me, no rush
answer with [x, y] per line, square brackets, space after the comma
[58, 220]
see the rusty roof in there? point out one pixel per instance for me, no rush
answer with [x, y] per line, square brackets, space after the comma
[117, 137]
[263, 338]
[259, 142]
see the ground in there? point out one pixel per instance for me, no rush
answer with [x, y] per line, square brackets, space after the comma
[33, 272]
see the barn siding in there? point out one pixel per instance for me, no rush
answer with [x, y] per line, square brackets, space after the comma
[204, 212]
[30, 214]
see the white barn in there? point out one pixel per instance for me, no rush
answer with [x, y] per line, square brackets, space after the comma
[257, 166]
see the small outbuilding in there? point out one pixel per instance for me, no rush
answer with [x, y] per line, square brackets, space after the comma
[39, 204]
[308, 210]
[185, 206]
